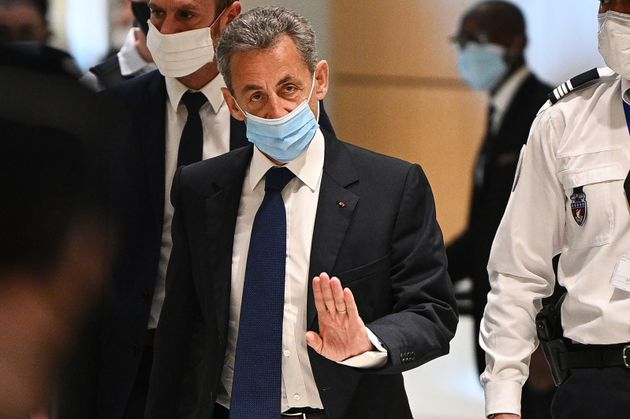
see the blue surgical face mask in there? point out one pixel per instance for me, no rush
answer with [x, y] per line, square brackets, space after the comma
[482, 66]
[283, 139]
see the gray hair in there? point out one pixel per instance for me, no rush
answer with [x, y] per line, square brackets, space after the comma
[262, 28]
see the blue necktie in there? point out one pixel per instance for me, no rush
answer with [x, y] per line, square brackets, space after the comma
[191, 143]
[256, 389]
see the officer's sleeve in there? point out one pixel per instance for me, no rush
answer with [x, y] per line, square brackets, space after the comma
[520, 266]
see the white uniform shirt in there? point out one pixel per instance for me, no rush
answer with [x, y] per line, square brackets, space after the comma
[583, 141]
[300, 196]
[215, 118]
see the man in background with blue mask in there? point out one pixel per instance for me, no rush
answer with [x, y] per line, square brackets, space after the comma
[307, 274]
[570, 198]
[491, 41]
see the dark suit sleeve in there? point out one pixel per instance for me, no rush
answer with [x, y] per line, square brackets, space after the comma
[179, 324]
[424, 315]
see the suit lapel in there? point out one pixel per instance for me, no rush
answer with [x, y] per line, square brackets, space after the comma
[221, 209]
[151, 125]
[335, 210]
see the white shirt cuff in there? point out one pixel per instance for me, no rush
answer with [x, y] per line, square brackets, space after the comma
[503, 397]
[369, 359]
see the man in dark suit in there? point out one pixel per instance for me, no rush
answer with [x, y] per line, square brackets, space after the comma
[109, 376]
[240, 338]
[492, 40]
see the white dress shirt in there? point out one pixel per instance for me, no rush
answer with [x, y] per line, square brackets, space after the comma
[582, 141]
[300, 197]
[129, 58]
[500, 101]
[502, 98]
[215, 118]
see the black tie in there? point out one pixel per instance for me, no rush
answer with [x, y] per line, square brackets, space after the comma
[191, 143]
[256, 391]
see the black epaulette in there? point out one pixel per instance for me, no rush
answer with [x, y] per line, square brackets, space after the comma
[578, 82]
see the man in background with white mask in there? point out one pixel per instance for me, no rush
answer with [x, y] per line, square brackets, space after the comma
[178, 116]
[491, 41]
[570, 198]
[307, 274]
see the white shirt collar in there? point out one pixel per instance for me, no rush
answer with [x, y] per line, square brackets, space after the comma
[502, 98]
[212, 91]
[625, 86]
[307, 167]
[129, 58]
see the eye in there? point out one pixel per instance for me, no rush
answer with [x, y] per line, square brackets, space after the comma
[256, 97]
[290, 90]
[186, 14]
[157, 13]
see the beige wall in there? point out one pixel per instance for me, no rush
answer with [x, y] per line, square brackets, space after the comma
[396, 91]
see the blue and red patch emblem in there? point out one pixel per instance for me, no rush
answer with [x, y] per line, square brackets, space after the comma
[579, 207]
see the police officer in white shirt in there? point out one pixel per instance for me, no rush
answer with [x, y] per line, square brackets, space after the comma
[568, 198]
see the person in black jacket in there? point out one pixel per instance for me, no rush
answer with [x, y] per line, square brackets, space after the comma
[109, 376]
[492, 40]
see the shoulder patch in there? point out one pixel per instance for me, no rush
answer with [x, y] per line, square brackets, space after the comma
[578, 82]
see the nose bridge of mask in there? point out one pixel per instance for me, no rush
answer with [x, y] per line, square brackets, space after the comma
[486, 47]
[618, 22]
[182, 41]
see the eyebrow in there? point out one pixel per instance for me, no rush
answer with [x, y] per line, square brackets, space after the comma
[250, 87]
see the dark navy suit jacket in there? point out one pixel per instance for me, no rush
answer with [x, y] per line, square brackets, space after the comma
[384, 244]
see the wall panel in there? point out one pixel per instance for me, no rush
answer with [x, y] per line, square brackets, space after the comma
[396, 90]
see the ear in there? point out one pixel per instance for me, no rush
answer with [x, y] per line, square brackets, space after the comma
[231, 13]
[231, 102]
[321, 76]
[518, 44]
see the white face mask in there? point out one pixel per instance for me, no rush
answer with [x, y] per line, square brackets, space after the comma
[180, 54]
[614, 41]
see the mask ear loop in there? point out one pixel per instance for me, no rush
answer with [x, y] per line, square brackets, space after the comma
[246, 114]
[311, 94]
[217, 18]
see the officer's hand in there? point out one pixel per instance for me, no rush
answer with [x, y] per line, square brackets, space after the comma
[342, 333]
